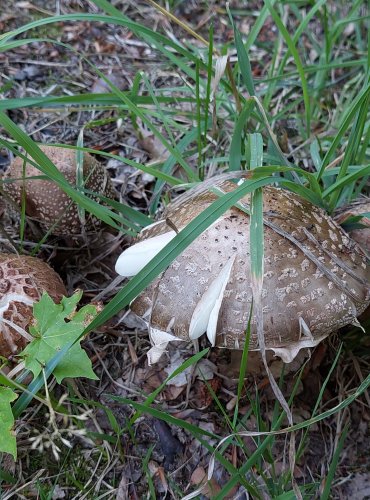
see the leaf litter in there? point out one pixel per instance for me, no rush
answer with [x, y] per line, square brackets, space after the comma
[187, 397]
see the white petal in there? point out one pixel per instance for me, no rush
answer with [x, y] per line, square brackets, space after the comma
[136, 257]
[211, 297]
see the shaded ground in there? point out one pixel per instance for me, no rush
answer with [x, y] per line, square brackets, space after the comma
[148, 450]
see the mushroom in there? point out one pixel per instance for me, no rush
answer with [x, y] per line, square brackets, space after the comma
[315, 277]
[22, 281]
[46, 202]
[361, 235]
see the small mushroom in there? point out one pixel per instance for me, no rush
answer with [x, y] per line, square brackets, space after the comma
[46, 202]
[315, 277]
[23, 279]
[361, 235]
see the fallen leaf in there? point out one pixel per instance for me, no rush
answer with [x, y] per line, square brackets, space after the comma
[199, 478]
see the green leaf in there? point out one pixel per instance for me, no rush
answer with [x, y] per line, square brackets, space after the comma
[7, 436]
[75, 364]
[55, 326]
[244, 63]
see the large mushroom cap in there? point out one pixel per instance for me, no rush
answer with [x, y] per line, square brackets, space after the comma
[22, 281]
[315, 277]
[46, 202]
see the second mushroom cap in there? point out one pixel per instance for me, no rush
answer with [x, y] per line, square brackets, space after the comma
[49, 204]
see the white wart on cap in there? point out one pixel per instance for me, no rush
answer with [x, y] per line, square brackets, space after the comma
[315, 277]
[46, 202]
[23, 279]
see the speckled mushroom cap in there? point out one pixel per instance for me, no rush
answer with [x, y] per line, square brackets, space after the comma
[46, 202]
[22, 281]
[359, 207]
[315, 277]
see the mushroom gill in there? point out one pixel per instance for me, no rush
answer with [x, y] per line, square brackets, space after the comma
[315, 277]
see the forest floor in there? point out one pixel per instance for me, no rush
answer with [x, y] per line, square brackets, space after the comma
[148, 453]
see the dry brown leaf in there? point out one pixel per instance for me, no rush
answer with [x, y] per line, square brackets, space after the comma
[199, 478]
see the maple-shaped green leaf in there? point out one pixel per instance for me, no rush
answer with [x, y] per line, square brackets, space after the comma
[76, 363]
[56, 325]
[7, 436]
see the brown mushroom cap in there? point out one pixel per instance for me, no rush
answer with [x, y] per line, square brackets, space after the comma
[315, 277]
[22, 281]
[359, 207]
[46, 202]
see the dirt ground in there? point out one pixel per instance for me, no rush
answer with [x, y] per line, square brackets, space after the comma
[174, 459]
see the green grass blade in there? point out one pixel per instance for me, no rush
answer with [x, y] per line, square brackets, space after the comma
[291, 46]
[236, 141]
[352, 148]
[107, 99]
[244, 63]
[364, 171]
[356, 105]
[326, 494]
[257, 26]
[80, 180]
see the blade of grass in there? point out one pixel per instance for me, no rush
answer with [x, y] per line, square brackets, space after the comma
[326, 494]
[291, 46]
[243, 60]
[207, 100]
[347, 180]
[243, 367]
[80, 181]
[352, 148]
[106, 99]
[356, 105]
[236, 141]
[257, 26]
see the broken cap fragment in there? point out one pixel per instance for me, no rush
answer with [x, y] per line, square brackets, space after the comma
[135, 258]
